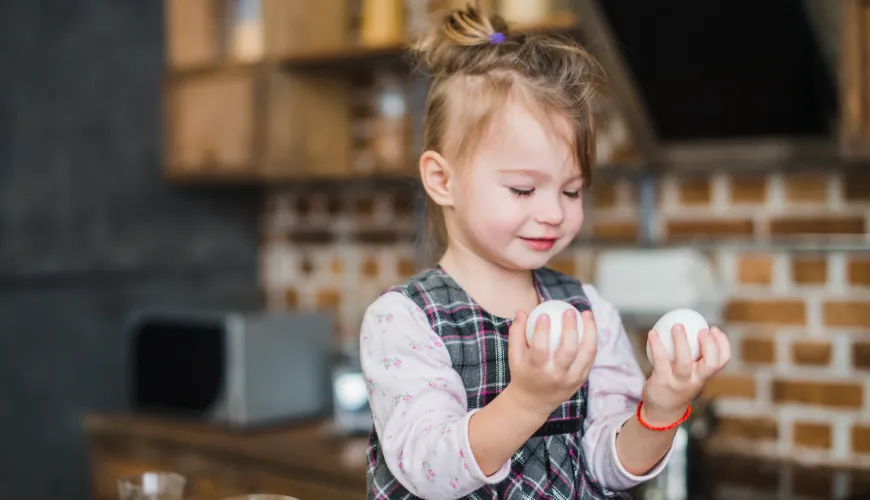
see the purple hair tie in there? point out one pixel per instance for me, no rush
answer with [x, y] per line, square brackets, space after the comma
[497, 38]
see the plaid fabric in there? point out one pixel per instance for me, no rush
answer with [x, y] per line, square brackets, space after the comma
[547, 466]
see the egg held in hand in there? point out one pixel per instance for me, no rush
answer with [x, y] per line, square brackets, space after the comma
[692, 322]
[555, 309]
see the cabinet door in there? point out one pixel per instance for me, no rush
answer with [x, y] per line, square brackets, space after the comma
[855, 79]
[192, 32]
[210, 124]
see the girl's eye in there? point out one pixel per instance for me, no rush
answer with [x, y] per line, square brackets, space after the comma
[572, 194]
[522, 193]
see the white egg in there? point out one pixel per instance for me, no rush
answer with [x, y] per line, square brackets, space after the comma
[691, 320]
[555, 309]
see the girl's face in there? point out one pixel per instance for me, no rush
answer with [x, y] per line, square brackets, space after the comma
[518, 201]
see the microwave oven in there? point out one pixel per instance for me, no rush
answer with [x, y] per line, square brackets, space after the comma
[232, 368]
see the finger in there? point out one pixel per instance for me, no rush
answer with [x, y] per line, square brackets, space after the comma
[517, 345]
[567, 350]
[723, 344]
[708, 365]
[539, 351]
[661, 360]
[683, 362]
[588, 347]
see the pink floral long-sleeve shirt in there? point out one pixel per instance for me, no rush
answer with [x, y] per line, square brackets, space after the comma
[421, 414]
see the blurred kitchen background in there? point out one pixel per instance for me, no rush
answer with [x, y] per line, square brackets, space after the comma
[199, 199]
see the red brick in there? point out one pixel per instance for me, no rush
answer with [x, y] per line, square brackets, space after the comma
[809, 271]
[755, 269]
[858, 271]
[861, 355]
[789, 312]
[406, 268]
[709, 228]
[757, 350]
[370, 267]
[748, 188]
[809, 352]
[806, 187]
[861, 438]
[833, 394]
[812, 435]
[817, 225]
[604, 194]
[756, 429]
[695, 191]
[847, 313]
[733, 386]
[618, 231]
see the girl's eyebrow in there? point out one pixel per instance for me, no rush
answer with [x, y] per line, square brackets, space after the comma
[536, 173]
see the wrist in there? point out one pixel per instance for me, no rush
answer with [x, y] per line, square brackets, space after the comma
[661, 417]
[526, 404]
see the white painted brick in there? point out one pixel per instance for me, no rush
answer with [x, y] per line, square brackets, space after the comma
[720, 194]
[837, 273]
[841, 355]
[785, 433]
[835, 191]
[782, 350]
[669, 192]
[727, 262]
[841, 438]
[865, 412]
[775, 193]
[815, 320]
[763, 388]
[382, 208]
[782, 282]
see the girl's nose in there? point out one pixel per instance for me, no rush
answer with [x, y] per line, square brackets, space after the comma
[551, 212]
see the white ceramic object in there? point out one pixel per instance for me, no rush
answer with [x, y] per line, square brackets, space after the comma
[555, 309]
[691, 320]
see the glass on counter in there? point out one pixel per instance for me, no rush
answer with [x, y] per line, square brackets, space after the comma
[157, 485]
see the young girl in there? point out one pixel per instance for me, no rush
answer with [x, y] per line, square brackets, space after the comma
[463, 405]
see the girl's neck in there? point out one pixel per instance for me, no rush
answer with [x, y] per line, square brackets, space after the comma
[498, 290]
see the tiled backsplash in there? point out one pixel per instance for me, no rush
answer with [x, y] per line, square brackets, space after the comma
[799, 384]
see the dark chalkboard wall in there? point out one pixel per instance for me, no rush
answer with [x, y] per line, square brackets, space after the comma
[88, 230]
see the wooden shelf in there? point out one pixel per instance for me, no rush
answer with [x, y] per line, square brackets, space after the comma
[563, 22]
[284, 119]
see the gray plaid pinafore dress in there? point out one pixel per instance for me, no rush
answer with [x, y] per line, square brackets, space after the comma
[551, 464]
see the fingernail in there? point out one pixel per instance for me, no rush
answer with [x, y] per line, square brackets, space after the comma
[572, 313]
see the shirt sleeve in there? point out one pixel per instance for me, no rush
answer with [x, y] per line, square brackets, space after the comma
[615, 387]
[418, 402]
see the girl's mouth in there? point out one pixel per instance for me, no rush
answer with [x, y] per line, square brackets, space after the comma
[539, 244]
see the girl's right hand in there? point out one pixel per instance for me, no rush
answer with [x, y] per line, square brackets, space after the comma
[541, 381]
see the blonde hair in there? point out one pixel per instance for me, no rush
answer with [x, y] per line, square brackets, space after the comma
[477, 64]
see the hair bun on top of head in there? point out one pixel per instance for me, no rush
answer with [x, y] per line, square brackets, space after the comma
[461, 38]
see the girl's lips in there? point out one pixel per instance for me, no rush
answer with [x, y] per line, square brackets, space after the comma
[539, 244]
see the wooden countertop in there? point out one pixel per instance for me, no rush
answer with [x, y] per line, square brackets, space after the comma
[306, 447]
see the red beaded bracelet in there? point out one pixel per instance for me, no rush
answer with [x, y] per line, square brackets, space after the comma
[667, 427]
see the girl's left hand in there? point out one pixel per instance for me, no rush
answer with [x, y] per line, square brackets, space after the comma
[673, 385]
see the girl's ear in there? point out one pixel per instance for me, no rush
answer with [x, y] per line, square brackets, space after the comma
[437, 176]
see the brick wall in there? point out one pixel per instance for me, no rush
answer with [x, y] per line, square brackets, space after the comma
[799, 384]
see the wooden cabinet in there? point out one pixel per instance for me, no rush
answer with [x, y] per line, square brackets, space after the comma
[202, 33]
[255, 123]
[855, 79]
[300, 461]
[268, 91]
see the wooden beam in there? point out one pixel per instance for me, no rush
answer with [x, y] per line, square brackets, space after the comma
[599, 40]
